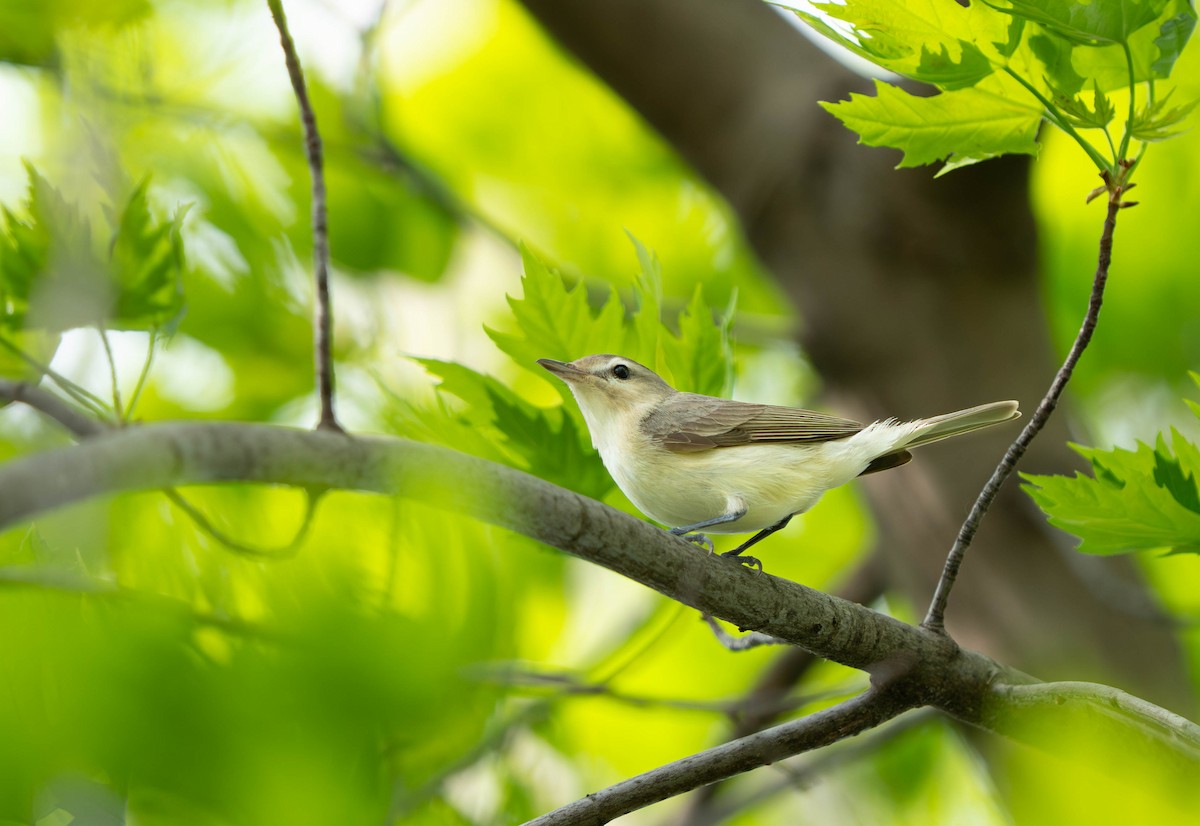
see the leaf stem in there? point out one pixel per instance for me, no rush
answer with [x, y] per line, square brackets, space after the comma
[323, 318]
[1112, 147]
[142, 376]
[1132, 101]
[118, 407]
[1056, 117]
[935, 617]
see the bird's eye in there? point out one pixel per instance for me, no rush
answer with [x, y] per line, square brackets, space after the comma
[621, 371]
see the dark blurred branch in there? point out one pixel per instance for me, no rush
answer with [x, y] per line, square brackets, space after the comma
[844, 720]
[322, 315]
[936, 616]
[766, 701]
[803, 772]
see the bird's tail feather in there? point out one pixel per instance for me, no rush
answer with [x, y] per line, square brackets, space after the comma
[962, 421]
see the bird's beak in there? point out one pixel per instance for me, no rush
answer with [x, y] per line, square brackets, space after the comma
[564, 370]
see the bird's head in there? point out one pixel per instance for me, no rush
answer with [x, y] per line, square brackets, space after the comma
[610, 387]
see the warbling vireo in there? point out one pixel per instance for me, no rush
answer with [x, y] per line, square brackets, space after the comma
[698, 462]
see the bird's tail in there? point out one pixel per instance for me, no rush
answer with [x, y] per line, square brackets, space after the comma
[962, 421]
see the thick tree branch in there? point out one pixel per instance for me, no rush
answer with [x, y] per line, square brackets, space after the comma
[806, 734]
[916, 666]
[177, 454]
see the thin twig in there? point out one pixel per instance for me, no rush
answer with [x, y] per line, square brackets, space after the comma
[935, 618]
[866, 711]
[73, 419]
[118, 407]
[311, 500]
[81, 395]
[322, 317]
[570, 685]
[142, 376]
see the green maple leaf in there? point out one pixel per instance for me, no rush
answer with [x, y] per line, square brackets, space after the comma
[935, 42]
[1174, 34]
[1024, 58]
[966, 125]
[554, 320]
[1143, 499]
[1097, 116]
[1096, 23]
[543, 441]
[1157, 122]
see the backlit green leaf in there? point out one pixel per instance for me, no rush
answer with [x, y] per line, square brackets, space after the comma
[1143, 499]
[969, 123]
[556, 321]
[1097, 22]
[1096, 116]
[1157, 121]
[1174, 34]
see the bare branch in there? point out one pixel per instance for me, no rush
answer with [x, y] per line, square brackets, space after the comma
[72, 418]
[844, 720]
[322, 316]
[936, 617]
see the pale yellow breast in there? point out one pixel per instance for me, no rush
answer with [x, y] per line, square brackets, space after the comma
[771, 481]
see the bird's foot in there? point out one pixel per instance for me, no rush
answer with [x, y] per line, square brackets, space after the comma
[695, 538]
[744, 559]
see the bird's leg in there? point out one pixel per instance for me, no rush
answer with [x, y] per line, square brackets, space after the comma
[753, 561]
[686, 531]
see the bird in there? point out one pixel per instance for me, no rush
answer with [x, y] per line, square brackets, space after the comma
[701, 463]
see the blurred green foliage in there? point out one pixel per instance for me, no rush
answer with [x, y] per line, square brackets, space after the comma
[54, 276]
[154, 676]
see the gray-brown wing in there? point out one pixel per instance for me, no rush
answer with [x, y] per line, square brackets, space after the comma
[687, 422]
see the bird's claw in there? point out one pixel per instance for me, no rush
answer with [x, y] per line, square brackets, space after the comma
[695, 538]
[747, 560]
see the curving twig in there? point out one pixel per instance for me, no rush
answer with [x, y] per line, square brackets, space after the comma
[312, 498]
[322, 317]
[935, 618]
